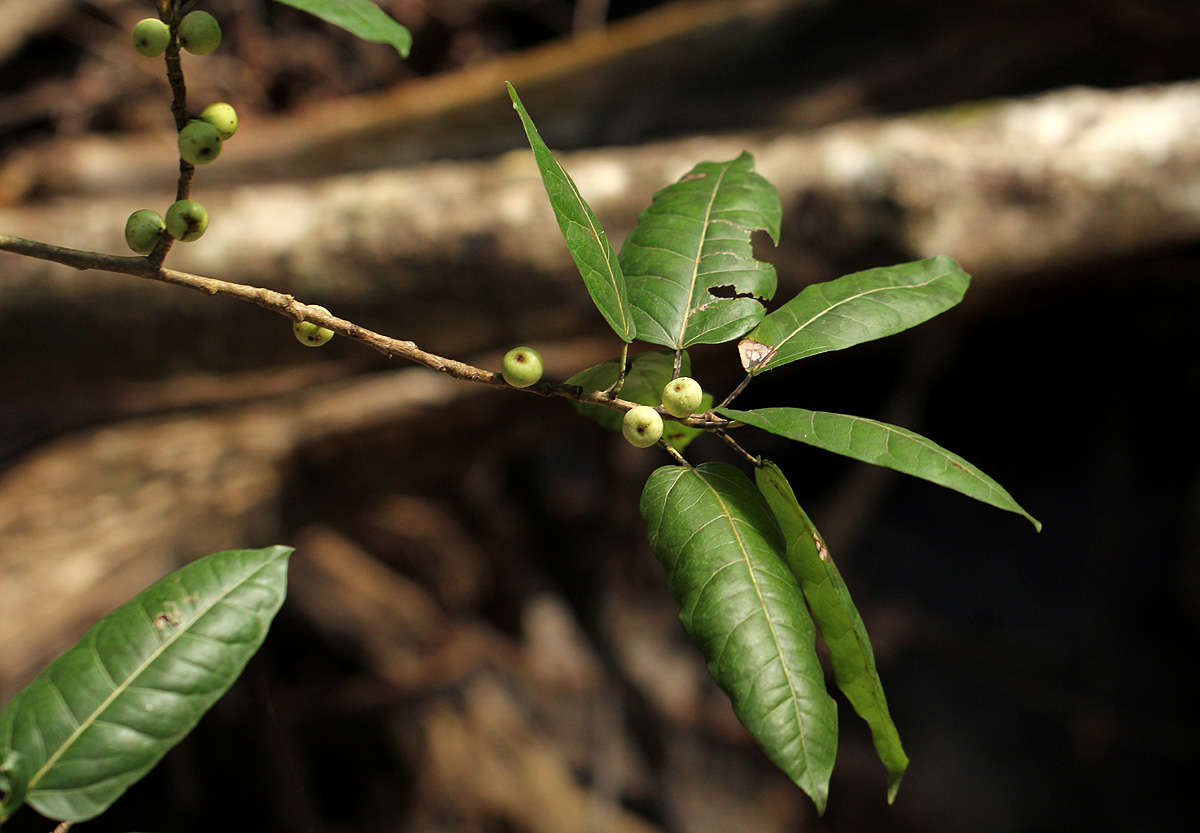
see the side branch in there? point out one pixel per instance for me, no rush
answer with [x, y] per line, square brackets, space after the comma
[289, 307]
[179, 112]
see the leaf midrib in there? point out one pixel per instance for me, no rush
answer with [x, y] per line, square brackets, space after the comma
[927, 444]
[91, 719]
[766, 615]
[848, 299]
[687, 313]
[622, 302]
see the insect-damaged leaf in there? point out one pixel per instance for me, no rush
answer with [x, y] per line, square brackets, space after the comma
[586, 240]
[689, 266]
[838, 619]
[724, 556]
[852, 309]
[100, 716]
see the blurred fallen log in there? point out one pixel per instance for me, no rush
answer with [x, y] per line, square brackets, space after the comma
[386, 618]
[1004, 186]
[436, 549]
[488, 760]
[455, 114]
[19, 19]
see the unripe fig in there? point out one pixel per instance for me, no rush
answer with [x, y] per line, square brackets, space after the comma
[199, 33]
[681, 397]
[642, 426]
[151, 36]
[199, 142]
[522, 367]
[221, 116]
[186, 220]
[143, 230]
[312, 335]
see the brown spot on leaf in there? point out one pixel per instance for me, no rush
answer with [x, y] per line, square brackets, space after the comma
[822, 550]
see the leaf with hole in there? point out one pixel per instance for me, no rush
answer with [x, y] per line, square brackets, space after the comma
[361, 18]
[837, 618]
[883, 445]
[100, 716]
[852, 309]
[586, 239]
[689, 264]
[724, 555]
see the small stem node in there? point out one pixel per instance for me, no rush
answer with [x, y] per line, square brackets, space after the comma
[615, 388]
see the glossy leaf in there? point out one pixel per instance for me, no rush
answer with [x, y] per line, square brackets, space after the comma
[586, 240]
[358, 17]
[724, 556]
[100, 716]
[648, 375]
[884, 445]
[689, 265]
[852, 309]
[837, 618]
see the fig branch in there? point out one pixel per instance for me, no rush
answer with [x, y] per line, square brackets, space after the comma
[171, 15]
[287, 306]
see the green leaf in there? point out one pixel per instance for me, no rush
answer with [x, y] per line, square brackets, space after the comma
[586, 239]
[724, 556]
[100, 716]
[838, 619]
[884, 445]
[855, 308]
[690, 268]
[358, 17]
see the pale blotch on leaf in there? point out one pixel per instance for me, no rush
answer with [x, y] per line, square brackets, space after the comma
[752, 353]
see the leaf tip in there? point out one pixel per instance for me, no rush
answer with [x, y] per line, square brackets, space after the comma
[820, 800]
[895, 776]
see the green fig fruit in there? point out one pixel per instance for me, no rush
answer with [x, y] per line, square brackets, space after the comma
[199, 142]
[186, 220]
[681, 397]
[151, 36]
[642, 426]
[199, 33]
[143, 230]
[522, 367]
[312, 335]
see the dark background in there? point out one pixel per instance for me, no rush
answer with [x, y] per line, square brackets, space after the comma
[1040, 681]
